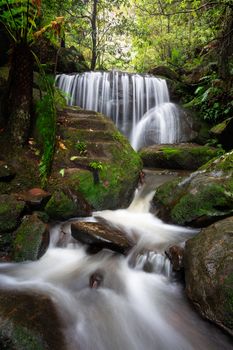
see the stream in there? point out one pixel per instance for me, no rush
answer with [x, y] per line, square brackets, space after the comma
[132, 309]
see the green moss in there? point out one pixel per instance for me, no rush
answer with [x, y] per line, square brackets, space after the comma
[28, 239]
[165, 193]
[169, 152]
[210, 200]
[20, 338]
[10, 211]
[61, 206]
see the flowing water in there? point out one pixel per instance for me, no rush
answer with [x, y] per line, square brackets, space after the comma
[132, 309]
[138, 104]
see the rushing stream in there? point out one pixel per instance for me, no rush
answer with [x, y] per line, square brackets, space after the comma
[132, 309]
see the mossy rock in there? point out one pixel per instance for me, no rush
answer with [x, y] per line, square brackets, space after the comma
[29, 322]
[202, 198]
[10, 212]
[182, 156]
[31, 239]
[96, 161]
[62, 206]
[209, 272]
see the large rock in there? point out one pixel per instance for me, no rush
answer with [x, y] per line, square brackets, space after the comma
[203, 198]
[31, 239]
[187, 156]
[223, 132]
[29, 322]
[95, 160]
[98, 236]
[63, 205]
[209, 272]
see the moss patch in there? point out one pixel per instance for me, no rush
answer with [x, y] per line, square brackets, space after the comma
[29, 239]
[10, 211]
[211, 200]
[183, 156]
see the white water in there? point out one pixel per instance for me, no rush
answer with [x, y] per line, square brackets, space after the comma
[139, 105]
[133, 309]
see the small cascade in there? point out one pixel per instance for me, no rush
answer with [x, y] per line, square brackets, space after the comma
[138, 104]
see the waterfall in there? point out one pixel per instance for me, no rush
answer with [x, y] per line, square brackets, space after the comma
[138, 104]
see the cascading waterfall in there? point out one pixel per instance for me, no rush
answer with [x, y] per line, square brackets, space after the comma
[132, 309]
[139, 105]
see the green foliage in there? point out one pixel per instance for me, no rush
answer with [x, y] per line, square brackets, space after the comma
[46, 127]
[213, 102]
[96, 165]
[19, 18]
[81, 147]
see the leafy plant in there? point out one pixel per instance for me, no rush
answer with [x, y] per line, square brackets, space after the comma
[46, 127]
[212, 101]
[96, 165]
[81, 147]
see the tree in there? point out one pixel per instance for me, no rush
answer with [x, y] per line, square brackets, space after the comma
[95, 26]
[20, 19]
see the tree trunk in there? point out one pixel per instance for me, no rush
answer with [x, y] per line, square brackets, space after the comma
[19, 94]
[94, 34]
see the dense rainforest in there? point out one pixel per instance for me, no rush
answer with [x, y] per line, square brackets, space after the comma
[99, 98]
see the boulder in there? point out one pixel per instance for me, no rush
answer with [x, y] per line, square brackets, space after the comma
[29, 321]
[200, 199]
[31, 239]
[64, 205]
[10, 212]
[223, 132]
[99, 236]
[175, 254]
[209, 272]
[186, 156]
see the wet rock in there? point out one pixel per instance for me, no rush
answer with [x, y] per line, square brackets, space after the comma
[35, 198]
[202, 198]
[176, 256]
[7, 173]
[29, 322]
[186, 156]
[223, 132]
[10, 212]
[31, 239]
[209, 272]
[96, 279]
[98, 236]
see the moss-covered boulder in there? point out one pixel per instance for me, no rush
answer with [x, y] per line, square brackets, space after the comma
[200, 199]
[64, 205]
[31, 239]
[223, 132]
[95, 160]
[29, 322]
[186, 156]
[209, 272]
[10, 212]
